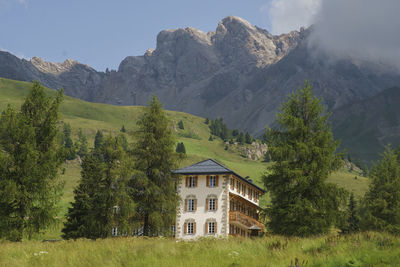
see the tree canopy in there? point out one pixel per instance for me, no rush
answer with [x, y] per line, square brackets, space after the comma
[30, 158]
[303, 148]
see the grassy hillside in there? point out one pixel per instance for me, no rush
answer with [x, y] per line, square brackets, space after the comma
[92, 116]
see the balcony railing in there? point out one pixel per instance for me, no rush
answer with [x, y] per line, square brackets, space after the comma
[243, 219]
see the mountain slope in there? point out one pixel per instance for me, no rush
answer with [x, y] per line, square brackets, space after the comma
[365, 127]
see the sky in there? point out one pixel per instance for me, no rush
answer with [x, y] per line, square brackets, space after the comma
[102, 33]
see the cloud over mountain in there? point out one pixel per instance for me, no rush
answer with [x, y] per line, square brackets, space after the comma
[363, 29]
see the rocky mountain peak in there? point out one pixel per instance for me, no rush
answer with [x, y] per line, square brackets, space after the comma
[53, 68]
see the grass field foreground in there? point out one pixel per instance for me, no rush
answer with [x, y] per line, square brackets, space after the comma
[367, 249]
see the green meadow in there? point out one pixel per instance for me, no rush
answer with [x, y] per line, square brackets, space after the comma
[366, 249]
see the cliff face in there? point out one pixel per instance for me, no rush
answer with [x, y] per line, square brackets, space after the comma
[239, 72]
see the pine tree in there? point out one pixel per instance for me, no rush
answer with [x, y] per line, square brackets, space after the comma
[211, 138]
[353, 217]
[102, 199]
[98, 139]
[30, 158]
[381, 211]
[248, 138]
[82, 144]
[156, 158]
[180, 148]
[123, 130]
[303, 148]
[241, 138]
[69, 148]
[207, 121]
[180, 125]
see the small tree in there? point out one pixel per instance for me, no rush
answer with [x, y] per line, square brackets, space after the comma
[352, 220]
[180, 148]
[82, 144]
[155, 182]
[241, 138]
[123, 130]
[67, 143]
[30, 158]
[98, 140]
[303, 148]
[180, 125]
[248, 138]
[381, 210]
[207, 121]
[235, 132]
[211, 138]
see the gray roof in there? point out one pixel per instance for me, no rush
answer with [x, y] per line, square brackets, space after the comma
[211, 166]
[204, 167]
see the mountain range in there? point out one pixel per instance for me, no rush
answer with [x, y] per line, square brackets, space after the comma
[239, 72]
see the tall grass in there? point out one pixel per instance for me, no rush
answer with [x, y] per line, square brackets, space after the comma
[367, 249]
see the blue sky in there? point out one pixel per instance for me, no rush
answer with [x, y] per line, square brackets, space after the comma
[102, 33]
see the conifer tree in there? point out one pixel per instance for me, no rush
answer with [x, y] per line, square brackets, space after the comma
[102, 199]
[82, 144]
[180, 125]
[30, 158]
[211, 138]
[207, 121]
[98, 139]
[180, 148]
[69, 148]
[303, 148]
[381, 211]
[248, 138]
[241, 138]
[156, 158]
[123, 130]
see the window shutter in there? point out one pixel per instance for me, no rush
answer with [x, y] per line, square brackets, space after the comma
[208, 181]
[195, 181]
[185, 228]
[194, 228]
[216, 204]
[216, 180]
[195, 204]
[186, 204]
[215, 228]
[207, 204]
[206, 228]
[187, 181]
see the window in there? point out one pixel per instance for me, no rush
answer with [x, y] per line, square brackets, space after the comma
[190, 228]
[173, 230]
[213, 180]
[243, 189]
[191, 205]
[116, 209]
[211, 227]
[212, 204]
[114, 231]
[192, 181]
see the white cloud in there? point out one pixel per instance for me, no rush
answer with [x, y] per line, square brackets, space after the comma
[363, 29]
[289, 15]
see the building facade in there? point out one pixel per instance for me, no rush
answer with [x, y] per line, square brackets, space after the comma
[215, 201]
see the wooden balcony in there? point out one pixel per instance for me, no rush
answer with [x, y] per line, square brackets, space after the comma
[244, 220]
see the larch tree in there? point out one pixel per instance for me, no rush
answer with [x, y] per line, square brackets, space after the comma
[30, 158]
[303, 148]
[155, 159]
[381, 205]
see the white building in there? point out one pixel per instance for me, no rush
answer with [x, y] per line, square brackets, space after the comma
[216, 202]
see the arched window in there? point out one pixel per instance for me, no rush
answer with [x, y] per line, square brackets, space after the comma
[212, 203]
[191, 203]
